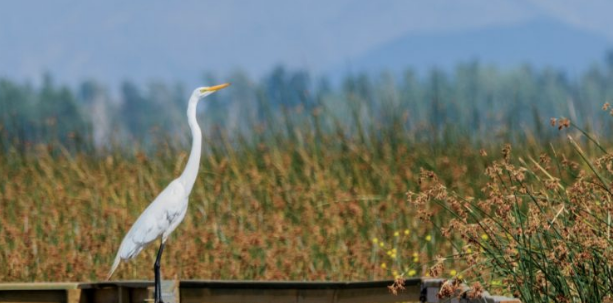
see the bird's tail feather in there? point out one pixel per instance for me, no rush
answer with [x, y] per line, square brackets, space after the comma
[115, 264]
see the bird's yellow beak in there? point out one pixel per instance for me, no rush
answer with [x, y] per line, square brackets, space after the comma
[214, 88]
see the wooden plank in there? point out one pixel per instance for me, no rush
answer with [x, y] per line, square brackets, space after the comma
[123, 294]
[30, 296]
[170, 291]
[226, 295]
[290, 284]
[104, 295]
[73, 296]
[226, 292]
[140, 294]
[38, 286]
[237, 291]
[118, 292]
[382, 295]
[315, 295]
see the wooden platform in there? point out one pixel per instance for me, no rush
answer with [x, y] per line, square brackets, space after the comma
[226, 292]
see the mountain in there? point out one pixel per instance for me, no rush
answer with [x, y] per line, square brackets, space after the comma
[542, 43]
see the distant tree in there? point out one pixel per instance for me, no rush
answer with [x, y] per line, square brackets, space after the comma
[99, 110]
[136, 113]
[473, 100]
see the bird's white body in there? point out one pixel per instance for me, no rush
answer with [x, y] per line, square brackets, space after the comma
[168, 209]
[159, 219]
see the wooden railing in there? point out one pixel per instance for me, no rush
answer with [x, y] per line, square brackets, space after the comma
[416, 290]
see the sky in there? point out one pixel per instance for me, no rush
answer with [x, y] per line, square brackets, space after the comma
[112, 41]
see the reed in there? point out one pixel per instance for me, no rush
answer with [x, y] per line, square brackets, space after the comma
[298, 199]
[540, 231]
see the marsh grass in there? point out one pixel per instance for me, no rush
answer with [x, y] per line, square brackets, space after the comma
[542, 229]
[297, 199]
[296, 203]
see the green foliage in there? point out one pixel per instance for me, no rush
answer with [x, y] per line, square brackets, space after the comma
[48, 114]
[483, 103]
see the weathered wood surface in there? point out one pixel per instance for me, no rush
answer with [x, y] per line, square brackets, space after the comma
[246, 291]
[228, 292]
[120, 292]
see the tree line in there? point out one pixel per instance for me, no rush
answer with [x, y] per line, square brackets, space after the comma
[473, 101]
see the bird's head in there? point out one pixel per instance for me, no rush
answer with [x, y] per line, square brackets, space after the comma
[204, 91]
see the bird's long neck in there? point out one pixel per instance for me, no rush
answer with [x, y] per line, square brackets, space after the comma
[188, 178]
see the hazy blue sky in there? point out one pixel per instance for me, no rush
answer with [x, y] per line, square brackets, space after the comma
[178, 40]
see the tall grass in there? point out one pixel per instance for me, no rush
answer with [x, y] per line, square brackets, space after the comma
[308, 198]
[541, 231]
[299, 199]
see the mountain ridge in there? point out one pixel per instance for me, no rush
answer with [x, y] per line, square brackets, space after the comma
[539, 42]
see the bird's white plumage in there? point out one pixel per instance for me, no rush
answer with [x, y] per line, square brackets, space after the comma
[156, 220]
[168, 209]
[159, 219]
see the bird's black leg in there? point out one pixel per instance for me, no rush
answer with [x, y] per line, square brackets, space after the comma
[158, 277]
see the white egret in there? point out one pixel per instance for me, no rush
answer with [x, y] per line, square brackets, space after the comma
[168, 209]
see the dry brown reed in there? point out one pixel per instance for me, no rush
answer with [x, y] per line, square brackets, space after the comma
[293, 210]
[542, 229]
